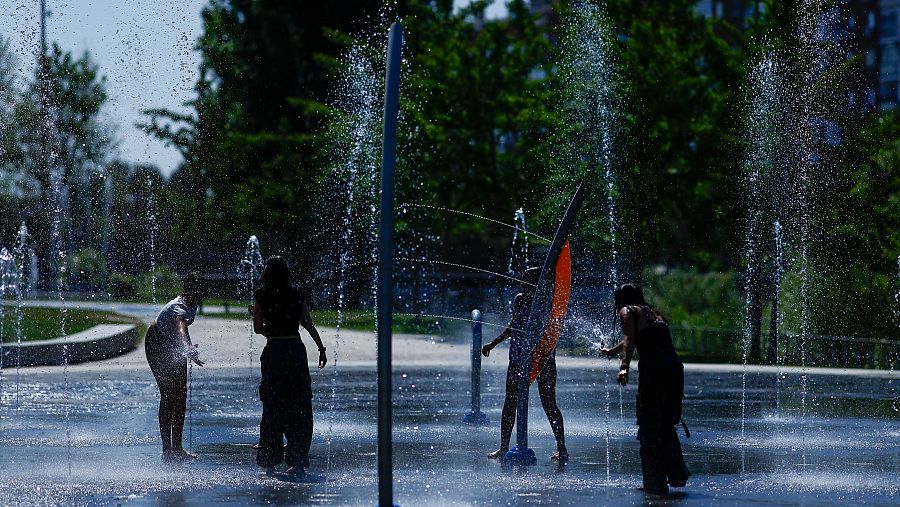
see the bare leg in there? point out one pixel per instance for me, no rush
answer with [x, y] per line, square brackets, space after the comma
[163, 376]
[508, 416]
[547, 390]
[179, 406]
[167, 375]
[165, 423]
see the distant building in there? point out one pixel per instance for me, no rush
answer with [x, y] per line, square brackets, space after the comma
[734, 12]
[859, 22]
[867, 29]
[888, 69]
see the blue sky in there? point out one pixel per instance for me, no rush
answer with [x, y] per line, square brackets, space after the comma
[143, 47]
[495, 10]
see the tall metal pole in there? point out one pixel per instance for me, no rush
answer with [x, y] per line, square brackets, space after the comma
[476, 361]
[385, 256]
[476, 417]
[43, 28]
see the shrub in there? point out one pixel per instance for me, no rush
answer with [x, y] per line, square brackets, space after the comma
[687, 297]
[160, 284]
[122, 286]
[844, 301]
[87, 270]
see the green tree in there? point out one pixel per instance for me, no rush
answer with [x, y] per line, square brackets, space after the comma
[856, 270]
[476, 103]
[12, 192]
[9, 96]
[678, 173]
[137, 215]
[814, 183]
[60, 147]
[250, 145]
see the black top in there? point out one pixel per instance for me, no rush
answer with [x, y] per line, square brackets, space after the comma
[654, 342]
[281, 309]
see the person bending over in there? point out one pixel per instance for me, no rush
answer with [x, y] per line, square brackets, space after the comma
[168, 347]
[660, 388]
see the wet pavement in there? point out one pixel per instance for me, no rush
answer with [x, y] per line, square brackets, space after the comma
[95, 442]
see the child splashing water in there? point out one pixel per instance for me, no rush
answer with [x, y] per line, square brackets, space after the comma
[168, 347]
[546, 380]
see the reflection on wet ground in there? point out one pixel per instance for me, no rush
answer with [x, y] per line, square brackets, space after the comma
[845, 449]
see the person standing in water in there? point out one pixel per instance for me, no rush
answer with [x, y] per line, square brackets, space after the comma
[168, 347]
[286, 387]
[660, 388]
[546, 380]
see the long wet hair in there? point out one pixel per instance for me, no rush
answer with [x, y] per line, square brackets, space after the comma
[276, 274]
[630, 294]
[278, 296]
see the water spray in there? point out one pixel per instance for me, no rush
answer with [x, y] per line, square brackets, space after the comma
[251, 267]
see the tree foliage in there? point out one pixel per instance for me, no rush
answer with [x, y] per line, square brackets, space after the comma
[250, 144]
[54, 149]
[483, 125]
[476, 103]
[679, 142]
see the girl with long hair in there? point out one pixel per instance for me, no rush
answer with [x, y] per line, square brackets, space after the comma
[286, 387]
[660, 388]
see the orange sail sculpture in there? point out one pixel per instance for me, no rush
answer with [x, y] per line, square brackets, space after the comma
[545, 322]
[562, 287]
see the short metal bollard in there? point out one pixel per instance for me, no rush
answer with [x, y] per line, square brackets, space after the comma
[476, 417]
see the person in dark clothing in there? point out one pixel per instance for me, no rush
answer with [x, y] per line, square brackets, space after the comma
[168, 347]
[660, 388]
[286, 388]
[546, 380]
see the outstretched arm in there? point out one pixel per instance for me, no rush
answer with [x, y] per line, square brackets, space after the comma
[629, 331]
[307, 323]
[190, 350]
[614, 351]
[507, 331]
[486, 350]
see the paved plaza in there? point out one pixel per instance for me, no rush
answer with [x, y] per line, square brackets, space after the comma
[88, 436]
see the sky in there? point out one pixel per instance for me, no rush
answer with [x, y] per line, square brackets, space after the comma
[143, 47]
[496, 10]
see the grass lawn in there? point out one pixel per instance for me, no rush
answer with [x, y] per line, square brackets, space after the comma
[232, 303]
[361, 320]
[43, 323]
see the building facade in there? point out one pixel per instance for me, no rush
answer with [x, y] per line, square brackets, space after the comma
[867, 30]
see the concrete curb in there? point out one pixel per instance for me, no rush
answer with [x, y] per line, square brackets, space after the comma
[99, 342]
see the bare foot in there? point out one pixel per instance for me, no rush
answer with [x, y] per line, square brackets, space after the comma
[182, 455]
[499, 453]
[561, 457]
